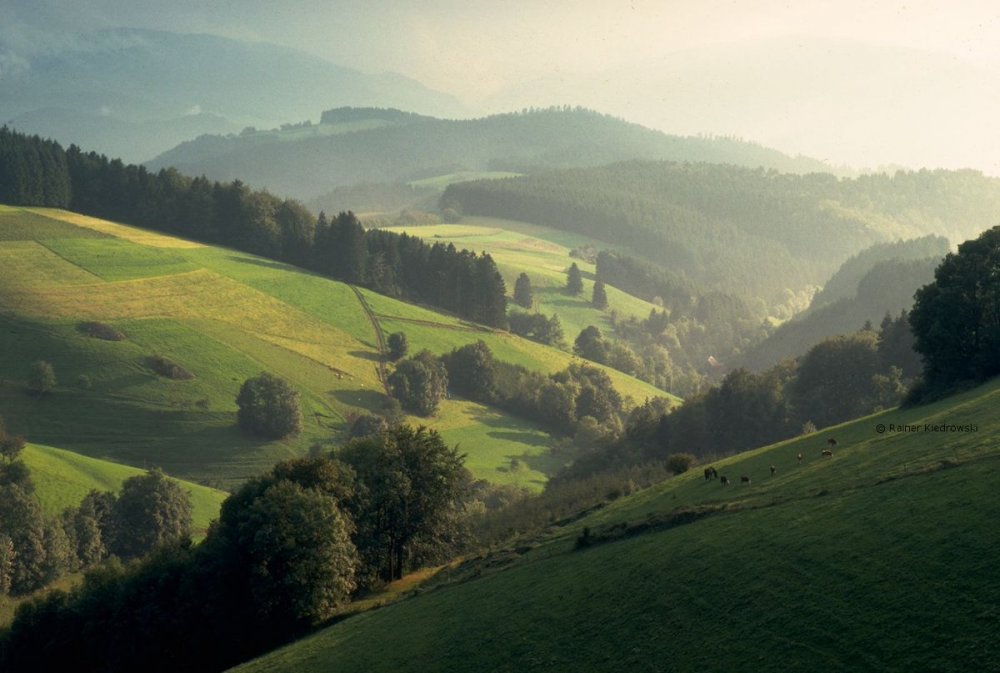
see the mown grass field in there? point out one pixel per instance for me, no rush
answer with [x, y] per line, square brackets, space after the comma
[223, 316]
[879, 558]
[542, 253]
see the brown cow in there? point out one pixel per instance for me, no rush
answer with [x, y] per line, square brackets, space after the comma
[724, 480]
[745, 480]
[710, 473]
[773, 470]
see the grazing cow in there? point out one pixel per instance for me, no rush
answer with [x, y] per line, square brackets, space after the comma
[828, 453]
[800, 456]
[773, 470]
[745, 480]
[708, 473]
[832, 442]
[724, 480]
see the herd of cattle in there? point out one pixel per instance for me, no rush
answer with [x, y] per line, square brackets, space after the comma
[711, 473]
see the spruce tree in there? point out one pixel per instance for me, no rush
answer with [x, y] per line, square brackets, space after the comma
[574, 280]
[600, 297]
[523, 295]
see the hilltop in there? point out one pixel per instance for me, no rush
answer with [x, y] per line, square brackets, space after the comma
[134, 93]
[306, 162]
[222, 316]
[879, 557]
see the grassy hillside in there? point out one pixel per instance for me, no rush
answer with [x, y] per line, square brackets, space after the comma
[62, 478]
[223, 316]
[878, 558]
[542, 253]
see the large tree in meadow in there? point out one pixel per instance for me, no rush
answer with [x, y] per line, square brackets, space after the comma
[269, 407]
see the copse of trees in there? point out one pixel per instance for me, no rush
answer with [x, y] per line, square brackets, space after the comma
[537, 327]
[956, 319]
[269, 407]
[419, 383]
[149, 513]
[289, 549]
[254, 221]
[559, 402]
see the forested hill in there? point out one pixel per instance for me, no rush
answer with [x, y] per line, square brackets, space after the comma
[400, 148]
[750, 231]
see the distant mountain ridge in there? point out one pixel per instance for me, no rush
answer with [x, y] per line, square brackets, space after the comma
[138, 76]
[400, 147]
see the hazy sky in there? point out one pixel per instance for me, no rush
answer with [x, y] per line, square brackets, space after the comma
[474, 47]
[486, 51]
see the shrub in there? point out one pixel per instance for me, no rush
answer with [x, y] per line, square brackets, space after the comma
[99, 330]
[398, 346]
[42, 378]
[168, 368]
[679, 463]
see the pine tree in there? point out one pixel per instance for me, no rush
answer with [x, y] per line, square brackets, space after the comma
[600, 297]
[523, 295]
[574, 280]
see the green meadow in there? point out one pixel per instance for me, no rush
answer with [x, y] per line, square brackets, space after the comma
[63, 478]
[881, 557]
[223, 316]
[542, 253]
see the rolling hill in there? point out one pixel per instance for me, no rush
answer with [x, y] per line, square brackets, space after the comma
[879, 557]
[542, 253]
[223, 316]
[754, 233]
[153, 89]
[408, 148]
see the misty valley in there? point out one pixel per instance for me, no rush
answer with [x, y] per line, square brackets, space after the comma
[370, 356]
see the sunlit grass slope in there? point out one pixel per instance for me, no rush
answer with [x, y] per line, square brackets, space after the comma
[224, 316]
[882, 557]
[542, 253]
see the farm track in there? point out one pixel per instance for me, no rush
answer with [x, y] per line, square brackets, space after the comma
[430, 323]
[379, 336]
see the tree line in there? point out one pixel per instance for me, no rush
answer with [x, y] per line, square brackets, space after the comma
[36, 172]
[289, 549]
[149, 510]
[580, 400]
[838, 379]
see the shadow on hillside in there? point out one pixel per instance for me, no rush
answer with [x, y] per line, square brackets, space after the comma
[263, 262]
[528, 438]
[365, 355]
[371, 399]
